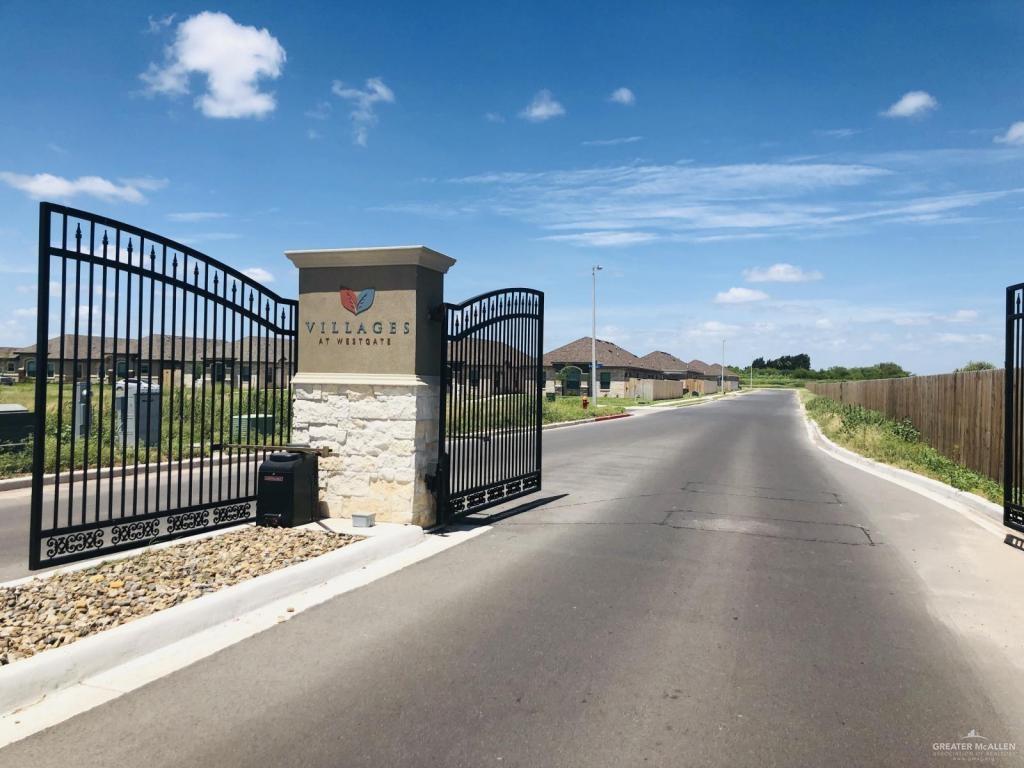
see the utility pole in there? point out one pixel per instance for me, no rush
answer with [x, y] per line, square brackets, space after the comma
[751, 374]
[593, 333]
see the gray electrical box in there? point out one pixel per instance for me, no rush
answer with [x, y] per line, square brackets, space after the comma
[83, 408]
[139, 407]
[252, 427]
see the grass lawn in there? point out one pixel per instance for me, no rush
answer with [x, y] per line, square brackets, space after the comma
[571, 409]
[898, 443]
[24, 393]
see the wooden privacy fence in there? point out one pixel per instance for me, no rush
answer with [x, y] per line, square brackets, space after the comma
[959, 414]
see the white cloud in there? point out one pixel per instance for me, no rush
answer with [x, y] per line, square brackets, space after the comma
[1014, 135]
[46, 185]
[622, 96]
[494, 117]
[313, 134]
[612, 142]
[196, 216]
[912, 104]
[160, 23]
[687, 202]
[543, 107]
[781, 273]
[321, 111]
[740, 296]
[838, 133]
[146, 183]
[364, 114]
[962, 316]
[963, 338]
[603, 238]
[259, 274]
[712, 329]
[232, 57]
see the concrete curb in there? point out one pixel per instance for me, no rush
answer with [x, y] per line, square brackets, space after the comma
[26, 682]
[577, 422]
[933, 489]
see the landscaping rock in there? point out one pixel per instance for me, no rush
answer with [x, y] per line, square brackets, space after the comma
[52, 611]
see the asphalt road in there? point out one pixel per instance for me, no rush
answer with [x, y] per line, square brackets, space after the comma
[703, 587]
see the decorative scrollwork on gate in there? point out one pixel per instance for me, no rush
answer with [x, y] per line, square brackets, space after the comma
[72, 543]
[135, 531]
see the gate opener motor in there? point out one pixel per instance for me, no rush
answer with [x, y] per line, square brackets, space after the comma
[287, 488]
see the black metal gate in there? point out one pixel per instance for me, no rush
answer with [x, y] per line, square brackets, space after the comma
[161, 375]
[492, 386]
[1013, 411]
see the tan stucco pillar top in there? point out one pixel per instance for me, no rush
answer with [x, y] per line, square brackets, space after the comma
[387, 256]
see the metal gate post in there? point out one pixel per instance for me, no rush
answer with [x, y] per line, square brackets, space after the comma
[39, 434]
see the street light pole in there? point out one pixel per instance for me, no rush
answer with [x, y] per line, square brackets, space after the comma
[593, 333]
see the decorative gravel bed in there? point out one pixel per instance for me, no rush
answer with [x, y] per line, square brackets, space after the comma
[49, 612]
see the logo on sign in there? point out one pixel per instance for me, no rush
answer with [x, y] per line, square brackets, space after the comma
[357, 302]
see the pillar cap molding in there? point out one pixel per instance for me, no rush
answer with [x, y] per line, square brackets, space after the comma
[397, 255]
[367, 379]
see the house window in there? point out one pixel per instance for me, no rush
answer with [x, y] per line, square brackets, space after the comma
[474, 377]
[606, 379]
[218, 371]
[571, 385]
[246, 373]
[30, 368]
[49, 369]
[10, 365]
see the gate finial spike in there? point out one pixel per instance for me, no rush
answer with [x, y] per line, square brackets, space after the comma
[130, 249]
[105, 241]
[78, 236]
[234, 289]
[174, 264]
[152, 256]
[195, 274]
[250, 299]
[216, 280]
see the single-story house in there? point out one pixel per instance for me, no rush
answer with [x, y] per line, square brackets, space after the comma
[490, 366]
[671, 367]
[242, 361]
[567, 369]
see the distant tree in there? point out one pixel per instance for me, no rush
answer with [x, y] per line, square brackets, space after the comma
[759, 363]
[789, 362]
[976, 365]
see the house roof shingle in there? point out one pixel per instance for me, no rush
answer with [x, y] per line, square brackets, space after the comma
[664, 362]
[609, 355]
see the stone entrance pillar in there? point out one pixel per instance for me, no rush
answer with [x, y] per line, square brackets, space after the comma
[367, 384]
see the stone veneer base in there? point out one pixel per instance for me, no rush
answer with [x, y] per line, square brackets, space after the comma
[382, 432]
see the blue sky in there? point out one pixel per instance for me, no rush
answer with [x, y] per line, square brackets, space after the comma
[838, 179]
